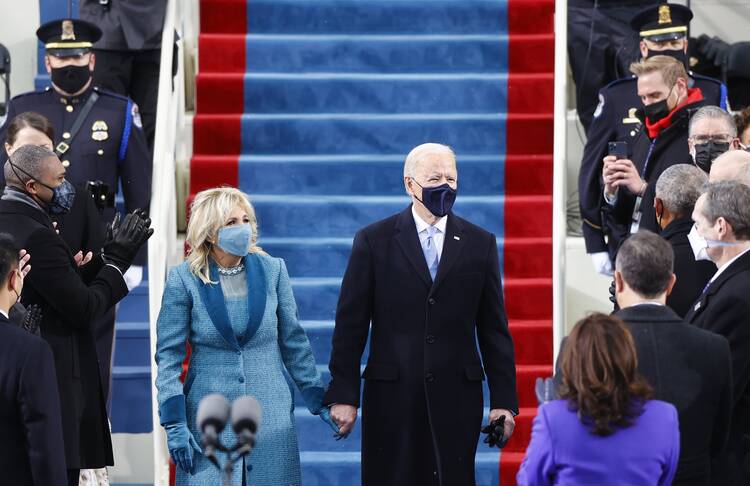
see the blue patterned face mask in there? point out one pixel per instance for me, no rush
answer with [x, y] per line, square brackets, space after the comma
[235, 239]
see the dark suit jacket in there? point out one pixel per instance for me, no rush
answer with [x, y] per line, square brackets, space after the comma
[691, 369]
[692, 276]
[69, 306]
[724, 308]
[422, 403]
[31, 442]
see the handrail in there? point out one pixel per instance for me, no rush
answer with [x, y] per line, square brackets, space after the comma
[559, 192]
[170, 112]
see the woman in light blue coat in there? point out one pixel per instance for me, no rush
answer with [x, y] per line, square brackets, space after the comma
[234, 305]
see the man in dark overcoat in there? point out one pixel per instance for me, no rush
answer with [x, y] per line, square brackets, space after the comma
[426, 285]
[687, 366]
[722, 234]
[31, 443]
[71, 298]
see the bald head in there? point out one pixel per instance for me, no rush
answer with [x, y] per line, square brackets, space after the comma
[733, 165]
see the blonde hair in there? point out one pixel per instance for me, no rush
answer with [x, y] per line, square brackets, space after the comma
[208, 212]
[670, 68]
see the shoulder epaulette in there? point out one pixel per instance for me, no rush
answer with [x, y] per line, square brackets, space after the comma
[29, 93]
[620, 81]
[705, 78]
[103, 92]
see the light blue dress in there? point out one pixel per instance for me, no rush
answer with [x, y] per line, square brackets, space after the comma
[241, 344]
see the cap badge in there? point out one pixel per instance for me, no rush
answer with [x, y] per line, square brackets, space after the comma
[67, 30]
[665, 16]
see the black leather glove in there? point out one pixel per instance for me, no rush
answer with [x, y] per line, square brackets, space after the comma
[495, 433]
[32, 319]
[125, 238]
[714, 49]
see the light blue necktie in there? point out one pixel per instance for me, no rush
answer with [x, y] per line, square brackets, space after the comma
[430, 251]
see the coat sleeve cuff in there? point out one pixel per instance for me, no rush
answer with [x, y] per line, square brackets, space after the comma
[313, 397]
[172, 410]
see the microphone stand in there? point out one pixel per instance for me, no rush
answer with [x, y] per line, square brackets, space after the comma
[240, 450]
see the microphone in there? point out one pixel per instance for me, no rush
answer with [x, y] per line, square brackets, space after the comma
[213, 414]
[246, 420]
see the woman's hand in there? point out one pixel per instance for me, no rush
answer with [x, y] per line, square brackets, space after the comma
[182, 446]
[23, 263]
[82, 260]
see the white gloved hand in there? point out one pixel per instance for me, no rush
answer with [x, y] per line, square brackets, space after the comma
[602, 263]
[133, 277]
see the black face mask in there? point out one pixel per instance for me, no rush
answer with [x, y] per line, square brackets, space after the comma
[438, 200]
[656, 111]
[71, 79]
[678, 54]
[706, 153]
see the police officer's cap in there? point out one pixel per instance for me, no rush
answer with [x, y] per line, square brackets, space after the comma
[68, 37]
[666, 21]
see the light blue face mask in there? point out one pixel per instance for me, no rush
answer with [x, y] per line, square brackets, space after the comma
[235, 239]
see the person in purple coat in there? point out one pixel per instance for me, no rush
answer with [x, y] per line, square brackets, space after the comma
[605, 429]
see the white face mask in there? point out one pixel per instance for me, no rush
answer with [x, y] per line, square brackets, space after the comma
[700, 245]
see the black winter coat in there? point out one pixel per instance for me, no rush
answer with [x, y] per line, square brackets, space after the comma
[422, 402]
[670, 147]
[724, 308]
[31, 440]
[69, 306]
[691, 369]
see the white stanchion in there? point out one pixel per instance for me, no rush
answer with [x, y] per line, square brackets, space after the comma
[170, 115]
[559, 195]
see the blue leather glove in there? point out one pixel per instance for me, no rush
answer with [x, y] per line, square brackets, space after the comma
[182, 445]
[325, 415]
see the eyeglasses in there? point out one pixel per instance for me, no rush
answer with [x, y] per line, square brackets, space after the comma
[718, 138]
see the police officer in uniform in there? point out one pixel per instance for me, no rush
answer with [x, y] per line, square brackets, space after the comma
[663, 31]
[100, 138]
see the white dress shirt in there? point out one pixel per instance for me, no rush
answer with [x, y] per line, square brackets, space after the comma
[4, 314]
[439, 236]
[725, 266]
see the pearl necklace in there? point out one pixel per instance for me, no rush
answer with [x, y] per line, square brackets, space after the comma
[231, 271]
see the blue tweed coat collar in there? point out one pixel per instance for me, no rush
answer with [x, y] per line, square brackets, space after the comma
[213, 298]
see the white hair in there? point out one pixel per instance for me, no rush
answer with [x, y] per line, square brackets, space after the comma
[421, 151]
[679, 187]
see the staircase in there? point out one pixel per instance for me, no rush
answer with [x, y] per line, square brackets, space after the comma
[310, 106]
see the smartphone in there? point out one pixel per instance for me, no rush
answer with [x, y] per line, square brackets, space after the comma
[618, 149]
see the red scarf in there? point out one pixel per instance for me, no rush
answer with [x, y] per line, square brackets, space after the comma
[694, 95]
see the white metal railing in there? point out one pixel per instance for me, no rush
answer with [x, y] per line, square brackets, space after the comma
[170, 115]
[559, 194]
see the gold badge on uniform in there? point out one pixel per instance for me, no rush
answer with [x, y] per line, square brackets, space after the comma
[99, 131]
[665, 16]
[631, 118]
[67, 30]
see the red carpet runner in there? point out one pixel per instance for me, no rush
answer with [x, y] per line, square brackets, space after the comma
[222, 96]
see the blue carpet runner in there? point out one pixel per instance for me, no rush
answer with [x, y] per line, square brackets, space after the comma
[310, 106]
